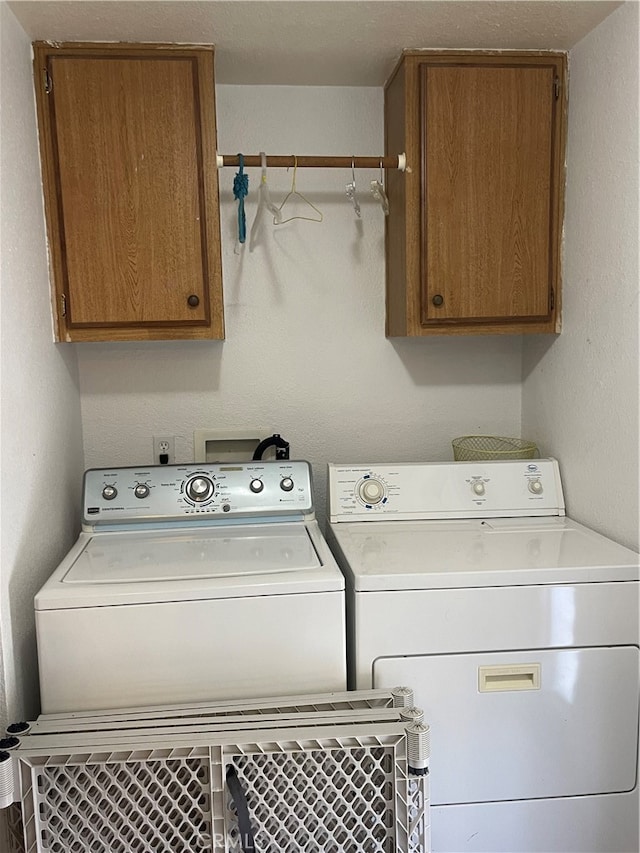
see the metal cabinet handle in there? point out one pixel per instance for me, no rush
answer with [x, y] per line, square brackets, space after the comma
[437, 300]
[193, 300]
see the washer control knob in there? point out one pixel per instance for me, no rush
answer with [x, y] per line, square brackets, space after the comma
[371, 491]
[141, 491]
[478, 488]
[109, 493]
[200, 488]
[286, 484]
[256, 486]
[535, 486]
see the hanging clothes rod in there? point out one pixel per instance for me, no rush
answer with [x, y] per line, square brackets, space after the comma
[395, 161]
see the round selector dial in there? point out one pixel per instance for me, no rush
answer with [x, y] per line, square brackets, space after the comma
[200, 488]
[109, 493]
[371, 491]
[141, 491]
[286, 484]
[256, 485]
[535, 486]
[478, 488]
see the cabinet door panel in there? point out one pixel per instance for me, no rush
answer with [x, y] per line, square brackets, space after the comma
[130, 199]
[487, 142]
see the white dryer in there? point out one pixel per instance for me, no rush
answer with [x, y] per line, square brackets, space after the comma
[517, 628]
[192, 583]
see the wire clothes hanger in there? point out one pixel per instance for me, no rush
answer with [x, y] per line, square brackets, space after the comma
[293, 192]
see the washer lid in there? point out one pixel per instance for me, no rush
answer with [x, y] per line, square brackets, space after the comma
[172, 565]
[472, 553]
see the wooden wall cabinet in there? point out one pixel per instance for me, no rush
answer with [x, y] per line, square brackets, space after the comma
[128, 152]
[474, 237]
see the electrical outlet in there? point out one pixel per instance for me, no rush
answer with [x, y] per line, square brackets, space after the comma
[164, 446]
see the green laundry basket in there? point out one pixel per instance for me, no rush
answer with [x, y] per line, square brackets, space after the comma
[468, 448]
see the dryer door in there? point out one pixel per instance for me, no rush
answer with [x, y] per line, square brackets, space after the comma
[519, 725]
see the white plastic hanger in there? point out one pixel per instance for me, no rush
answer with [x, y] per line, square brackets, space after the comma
[377, 191]
[294, 192]
[264, 202]
[351, 189]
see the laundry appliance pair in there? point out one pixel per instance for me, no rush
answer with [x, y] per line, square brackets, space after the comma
[516, 626]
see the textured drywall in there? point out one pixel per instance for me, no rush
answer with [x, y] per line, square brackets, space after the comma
[580, 395]
[41, 428]
[305, 353]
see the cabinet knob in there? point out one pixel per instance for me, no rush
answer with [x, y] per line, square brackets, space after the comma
[437, 299]
[193, 300]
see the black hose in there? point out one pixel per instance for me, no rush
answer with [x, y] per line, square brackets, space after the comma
[275, 440]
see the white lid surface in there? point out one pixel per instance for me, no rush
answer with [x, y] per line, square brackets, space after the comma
[183, 555]
[390, 555]
[175, 565]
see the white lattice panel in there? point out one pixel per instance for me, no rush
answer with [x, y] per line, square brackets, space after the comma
[123, 808]
[332, 801]
[314, 792]
[320, 772]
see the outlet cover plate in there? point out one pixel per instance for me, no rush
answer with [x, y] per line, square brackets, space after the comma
[164, 444]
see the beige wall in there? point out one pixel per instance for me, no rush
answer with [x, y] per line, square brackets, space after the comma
[580, 393]
[41, 436]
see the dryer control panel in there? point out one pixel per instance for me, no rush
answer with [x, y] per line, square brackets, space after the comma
[162, 493]
[492, 489]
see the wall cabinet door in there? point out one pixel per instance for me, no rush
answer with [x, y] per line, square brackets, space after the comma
[128, 148]
[473, 238]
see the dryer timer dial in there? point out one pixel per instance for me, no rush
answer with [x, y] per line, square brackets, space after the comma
[371, 491]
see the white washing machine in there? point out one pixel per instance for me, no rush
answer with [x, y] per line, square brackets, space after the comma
[191, 583]
[517, 628]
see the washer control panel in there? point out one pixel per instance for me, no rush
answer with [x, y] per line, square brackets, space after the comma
[199, 491]
[445, 490]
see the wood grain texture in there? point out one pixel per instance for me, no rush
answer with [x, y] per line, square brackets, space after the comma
[483, 227]
[487, 179]
[128, 138]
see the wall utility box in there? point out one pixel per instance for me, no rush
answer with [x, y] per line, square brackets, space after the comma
[231, 446]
